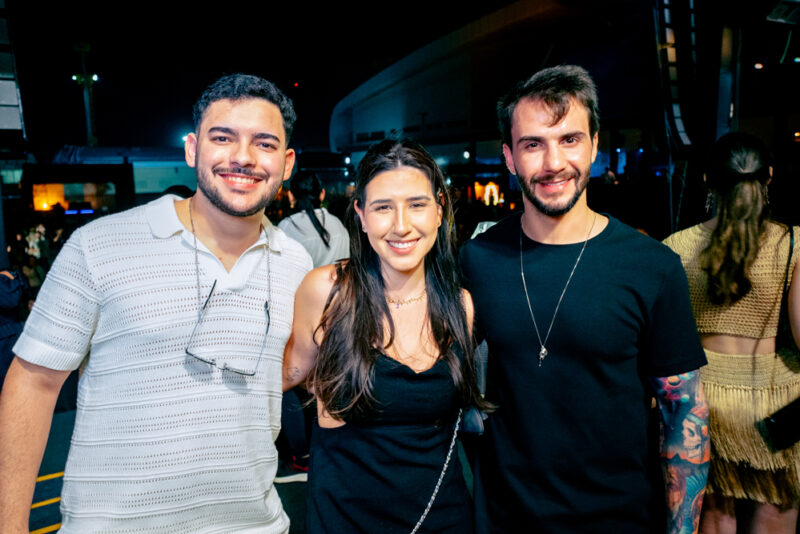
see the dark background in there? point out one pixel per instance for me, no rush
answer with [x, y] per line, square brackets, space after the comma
[154, 59]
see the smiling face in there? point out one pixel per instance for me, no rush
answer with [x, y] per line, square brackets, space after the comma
[240, 155]
[552, 161]
[401, 217]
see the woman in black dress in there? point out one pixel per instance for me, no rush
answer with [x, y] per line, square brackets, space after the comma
[384, 342]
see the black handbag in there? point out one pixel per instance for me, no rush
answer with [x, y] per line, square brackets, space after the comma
[781, 429]
[472, 419]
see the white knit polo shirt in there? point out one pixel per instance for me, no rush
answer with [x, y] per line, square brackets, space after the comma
[164, 442]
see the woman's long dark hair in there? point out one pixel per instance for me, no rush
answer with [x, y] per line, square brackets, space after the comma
[353, 325]
[738, 174]
[306, 189]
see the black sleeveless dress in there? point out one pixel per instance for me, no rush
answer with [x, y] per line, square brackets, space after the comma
[376, 476]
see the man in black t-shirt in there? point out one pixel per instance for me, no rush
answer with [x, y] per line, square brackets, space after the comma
[586, 320]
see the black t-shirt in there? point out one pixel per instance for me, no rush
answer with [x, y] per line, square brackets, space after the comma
[567, 448]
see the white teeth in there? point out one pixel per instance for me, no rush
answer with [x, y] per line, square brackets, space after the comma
[240, 180]
[400, 244]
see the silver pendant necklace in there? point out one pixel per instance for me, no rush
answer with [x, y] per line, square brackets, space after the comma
[542, 344]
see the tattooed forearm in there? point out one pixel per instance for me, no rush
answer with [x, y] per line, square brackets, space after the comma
[294, 376]
[291, 373]
[684, 448]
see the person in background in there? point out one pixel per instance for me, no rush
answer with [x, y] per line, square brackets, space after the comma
[33, 239]
[34, 273]
[736, 264]
[179, 190]
[11, 291]
[323, 235]
[17, 251]
[45, 257]
[56, 242]
[384, 339]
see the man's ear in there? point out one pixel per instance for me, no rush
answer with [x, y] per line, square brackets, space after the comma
[190, 149]
[288, 163]
[509, 157]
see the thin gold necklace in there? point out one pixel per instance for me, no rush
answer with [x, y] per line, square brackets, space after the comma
[402, 302]
[542, 350]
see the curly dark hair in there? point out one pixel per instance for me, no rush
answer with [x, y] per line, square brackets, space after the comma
[242, 86]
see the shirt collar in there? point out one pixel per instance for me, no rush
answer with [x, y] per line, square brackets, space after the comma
[162, 217]
[164, 222]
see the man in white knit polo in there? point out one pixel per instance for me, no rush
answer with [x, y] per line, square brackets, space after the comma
[185, 307]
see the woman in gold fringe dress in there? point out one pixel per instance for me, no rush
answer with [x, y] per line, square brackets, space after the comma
[736, 263]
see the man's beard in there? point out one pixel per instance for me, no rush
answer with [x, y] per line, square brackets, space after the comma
[581, 181]
[205, 182]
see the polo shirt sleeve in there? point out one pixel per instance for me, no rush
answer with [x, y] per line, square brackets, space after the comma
[59, 330]
[672, 341]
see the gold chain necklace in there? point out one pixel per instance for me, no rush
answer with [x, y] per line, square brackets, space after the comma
[542, 350]
[402, 302]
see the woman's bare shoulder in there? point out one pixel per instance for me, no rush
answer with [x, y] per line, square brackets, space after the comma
[317, 285]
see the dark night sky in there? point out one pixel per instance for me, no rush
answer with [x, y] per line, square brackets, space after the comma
[153, 63]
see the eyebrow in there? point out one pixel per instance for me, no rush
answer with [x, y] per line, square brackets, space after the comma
[409, 199]
[538, 139]
[528, 139]
[265, 135]
[221, 129]
[231, 131]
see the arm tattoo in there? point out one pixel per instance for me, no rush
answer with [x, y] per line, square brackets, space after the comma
[684, 448]
[291, 373]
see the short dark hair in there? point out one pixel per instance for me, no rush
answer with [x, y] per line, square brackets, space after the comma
[554, 86]
[243, 86]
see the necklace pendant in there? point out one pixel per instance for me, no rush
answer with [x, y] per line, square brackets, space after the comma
[542, 355]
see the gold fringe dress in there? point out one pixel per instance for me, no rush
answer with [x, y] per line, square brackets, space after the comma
[744, 388]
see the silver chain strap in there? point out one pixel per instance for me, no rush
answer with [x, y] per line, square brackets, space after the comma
[441, 475]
